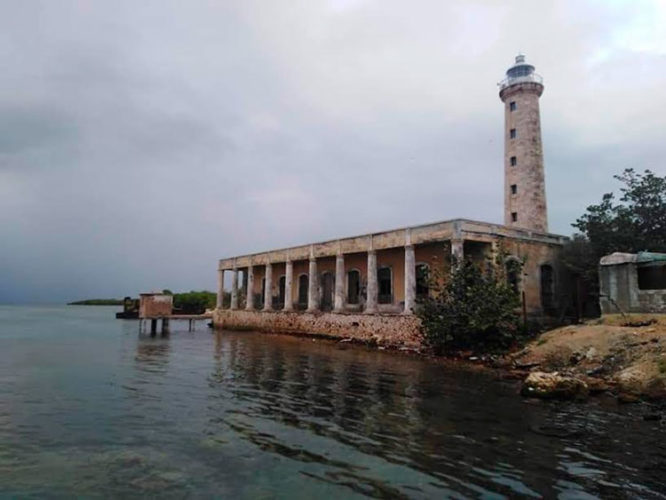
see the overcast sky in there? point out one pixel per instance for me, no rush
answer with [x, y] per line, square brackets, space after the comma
[142, 141]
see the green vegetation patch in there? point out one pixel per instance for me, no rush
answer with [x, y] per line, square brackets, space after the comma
[97, 302]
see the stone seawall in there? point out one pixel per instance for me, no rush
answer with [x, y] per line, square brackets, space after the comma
[384, 329]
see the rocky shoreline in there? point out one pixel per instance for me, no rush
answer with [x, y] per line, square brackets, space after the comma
[621, 355]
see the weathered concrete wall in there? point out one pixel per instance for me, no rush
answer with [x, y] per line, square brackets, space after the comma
[151, 305]
[535, 255]
[618, 286]
[384, 329]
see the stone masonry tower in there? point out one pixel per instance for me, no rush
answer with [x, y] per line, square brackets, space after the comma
[524, 181]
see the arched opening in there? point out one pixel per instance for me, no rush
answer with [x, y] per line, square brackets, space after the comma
[303, 283]
[327, 291]
[385, 285]
[353, 286]
[281, 291]
[422, 280]
[547, 288]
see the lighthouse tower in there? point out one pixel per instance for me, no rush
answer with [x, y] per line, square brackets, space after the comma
[524, 180]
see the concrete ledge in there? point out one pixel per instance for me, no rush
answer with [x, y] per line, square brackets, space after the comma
[385, 329]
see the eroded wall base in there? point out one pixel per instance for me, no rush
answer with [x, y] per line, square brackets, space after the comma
[384, 329]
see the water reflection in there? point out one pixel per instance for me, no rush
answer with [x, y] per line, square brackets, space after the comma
[90, 408]
[386, 425]
[152, 353]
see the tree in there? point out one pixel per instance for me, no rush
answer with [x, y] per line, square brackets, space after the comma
[582, 262]
[636, 223]
[475, 308]
[194, 302]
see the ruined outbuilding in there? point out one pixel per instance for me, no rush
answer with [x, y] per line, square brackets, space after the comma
[155, 305]
[632, 283]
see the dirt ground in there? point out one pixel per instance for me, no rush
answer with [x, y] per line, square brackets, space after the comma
[625, 354]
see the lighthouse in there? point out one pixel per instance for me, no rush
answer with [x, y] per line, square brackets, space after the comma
[524, 179]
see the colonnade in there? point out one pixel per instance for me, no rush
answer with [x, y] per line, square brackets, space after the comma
[314, 299]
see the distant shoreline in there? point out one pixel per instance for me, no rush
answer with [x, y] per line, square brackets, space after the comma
[97, 302]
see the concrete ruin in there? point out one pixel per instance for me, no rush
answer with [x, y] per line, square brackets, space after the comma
[632, 283]
[155, 304]
[366, 287]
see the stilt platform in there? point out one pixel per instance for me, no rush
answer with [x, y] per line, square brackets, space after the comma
[190, 318]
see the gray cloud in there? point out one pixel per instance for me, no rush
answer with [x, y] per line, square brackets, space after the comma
[140, 142]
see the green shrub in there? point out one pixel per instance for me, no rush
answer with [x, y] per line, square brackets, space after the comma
[475, 308]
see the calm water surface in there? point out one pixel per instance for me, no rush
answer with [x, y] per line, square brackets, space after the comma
[90, 408]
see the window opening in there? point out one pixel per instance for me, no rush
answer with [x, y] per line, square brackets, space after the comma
[547, 288]
[353, 286]
[385, 285]
[281, 291]
[652, 277]
[327, 291]
[422, 277]
[303, 283]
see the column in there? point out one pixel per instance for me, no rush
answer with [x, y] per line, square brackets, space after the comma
[234, 289]
[457, 250]
[249, 301]
[313, 287]
[339, 303]
[371, 299]
[220, 288]
[410, 279]
[288, 280]
[268, 288]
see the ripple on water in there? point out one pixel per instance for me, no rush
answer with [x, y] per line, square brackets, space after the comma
[90, 408]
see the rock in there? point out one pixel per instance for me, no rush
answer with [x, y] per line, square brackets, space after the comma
[591, 354]
[631, 380]
[627, 398]
[553, 386]
[525, 366]
[575, 358]
[596, 385]
[521, 353]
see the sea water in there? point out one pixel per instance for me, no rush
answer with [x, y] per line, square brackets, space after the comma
[89, 407]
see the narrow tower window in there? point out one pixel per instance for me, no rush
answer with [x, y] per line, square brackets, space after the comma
[514, 216]
[512, 106]
[512, 133]
[514, 189]
[514, 161]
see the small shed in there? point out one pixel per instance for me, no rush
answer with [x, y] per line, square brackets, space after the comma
[633, 282]
[155, 305]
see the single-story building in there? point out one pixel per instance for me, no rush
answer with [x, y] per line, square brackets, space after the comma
[632, 283]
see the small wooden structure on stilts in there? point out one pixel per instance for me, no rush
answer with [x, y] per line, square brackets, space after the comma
[159, 306]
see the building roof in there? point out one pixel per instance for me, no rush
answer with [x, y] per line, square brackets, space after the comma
[423, 233]
[618, 258]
